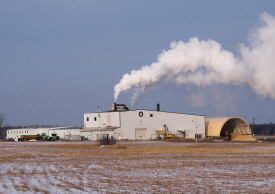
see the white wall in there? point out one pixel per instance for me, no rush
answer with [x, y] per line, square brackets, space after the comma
[16, 133]
[87, 134]
[92, 135]
[130, 120]
[63, 132]
[103, 119]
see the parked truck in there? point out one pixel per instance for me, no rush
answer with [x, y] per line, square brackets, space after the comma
[43, 137]
[28, 137]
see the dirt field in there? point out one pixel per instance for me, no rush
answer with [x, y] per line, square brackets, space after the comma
[137, 167]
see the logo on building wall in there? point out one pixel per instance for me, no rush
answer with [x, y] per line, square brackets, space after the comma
[140, 113]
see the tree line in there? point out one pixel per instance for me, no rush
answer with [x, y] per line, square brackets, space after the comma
[263, 129]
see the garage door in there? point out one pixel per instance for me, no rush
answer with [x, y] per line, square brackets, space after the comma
[141, 134]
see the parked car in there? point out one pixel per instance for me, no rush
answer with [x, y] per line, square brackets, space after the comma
[10, 139]
[2, 139]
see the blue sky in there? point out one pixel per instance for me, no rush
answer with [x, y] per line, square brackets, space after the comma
[60, 59]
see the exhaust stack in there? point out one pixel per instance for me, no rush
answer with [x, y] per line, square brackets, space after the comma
[116, 107]
[158, 107]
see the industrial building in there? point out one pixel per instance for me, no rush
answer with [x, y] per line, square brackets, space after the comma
[141, 124]
[122, 123]
[69, 133]
[230, 128]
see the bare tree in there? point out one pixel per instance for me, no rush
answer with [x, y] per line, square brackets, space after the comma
[2, 119]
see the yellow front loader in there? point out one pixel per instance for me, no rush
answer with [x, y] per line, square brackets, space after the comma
[166, 135]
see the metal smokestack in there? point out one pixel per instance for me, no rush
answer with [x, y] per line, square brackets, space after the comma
[158, 107]
[116, 107]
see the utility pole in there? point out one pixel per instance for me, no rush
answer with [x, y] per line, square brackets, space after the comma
[196, 130]
[253, 127]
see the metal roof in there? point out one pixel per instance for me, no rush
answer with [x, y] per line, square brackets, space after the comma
[65, 128]
[108, 128]
[214, 126]
[142, 110]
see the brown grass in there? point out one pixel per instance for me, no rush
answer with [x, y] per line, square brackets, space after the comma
[69, 146]
[161, 166]
[199, 140]
[90, 150]
[115, 147]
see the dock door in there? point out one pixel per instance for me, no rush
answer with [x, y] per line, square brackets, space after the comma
[141, 134]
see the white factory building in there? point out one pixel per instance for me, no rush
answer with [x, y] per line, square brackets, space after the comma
[122, 123]
[67, 132]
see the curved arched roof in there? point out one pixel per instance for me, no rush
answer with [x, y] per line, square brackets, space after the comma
[216, 126]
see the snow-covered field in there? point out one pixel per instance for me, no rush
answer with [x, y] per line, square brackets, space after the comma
[137, 167]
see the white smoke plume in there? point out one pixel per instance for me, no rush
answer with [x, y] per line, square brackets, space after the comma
[136, 96]
[204, 63]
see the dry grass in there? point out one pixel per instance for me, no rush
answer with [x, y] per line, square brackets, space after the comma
[129, 166]
[70, 146]
[199, 140]
[86, 150]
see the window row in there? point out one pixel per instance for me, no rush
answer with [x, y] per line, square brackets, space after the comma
[89, 119]
[17, 132]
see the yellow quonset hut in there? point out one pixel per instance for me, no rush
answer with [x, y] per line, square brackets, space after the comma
[235, 128]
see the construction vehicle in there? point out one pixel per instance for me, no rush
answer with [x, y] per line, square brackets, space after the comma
[166, 132]
[45, 137]
[54, 137]
[226, 136]
[28, 137]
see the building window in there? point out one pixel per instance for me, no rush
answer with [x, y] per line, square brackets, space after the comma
[95, 119]
[151, 115]
[87, 118]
